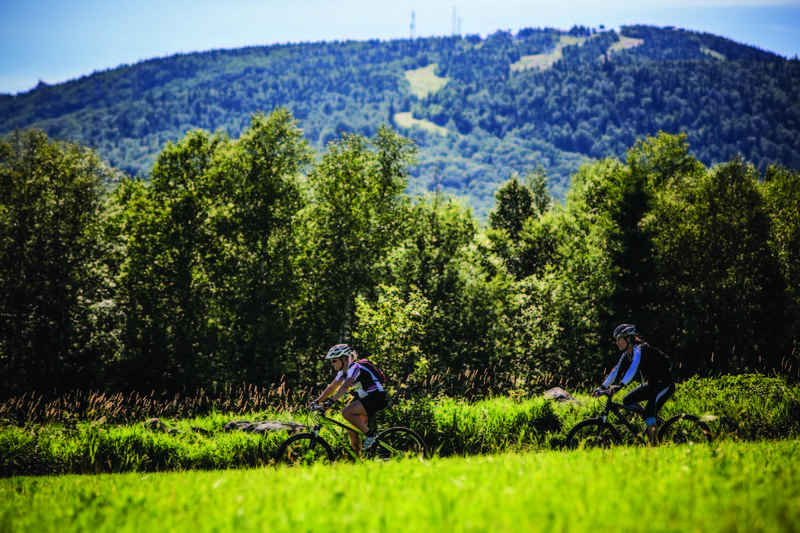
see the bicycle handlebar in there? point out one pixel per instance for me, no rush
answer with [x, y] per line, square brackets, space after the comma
[610, 392]
[320, 408]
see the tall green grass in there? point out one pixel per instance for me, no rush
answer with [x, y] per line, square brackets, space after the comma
[728, 487]
[743, 408]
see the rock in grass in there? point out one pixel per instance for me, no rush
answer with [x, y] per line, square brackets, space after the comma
[154, 424]
[560, 395]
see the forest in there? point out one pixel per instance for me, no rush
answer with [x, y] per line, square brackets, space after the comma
[241, 260]
[500, 107]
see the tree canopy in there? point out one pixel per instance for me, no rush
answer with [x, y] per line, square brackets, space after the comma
[243, 260]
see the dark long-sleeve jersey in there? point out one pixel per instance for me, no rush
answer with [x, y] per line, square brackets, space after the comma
[650, 363]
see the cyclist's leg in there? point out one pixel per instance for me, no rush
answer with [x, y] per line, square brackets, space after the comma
[372, 403]
[636, 398]
[660, 393]
[637, 395]
[355, 413]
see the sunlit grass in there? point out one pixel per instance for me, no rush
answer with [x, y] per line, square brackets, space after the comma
[748, 487]
[625, 43]
[548, 59]
[65, 440]
[712, 53]
[424, 80]
[406, 120]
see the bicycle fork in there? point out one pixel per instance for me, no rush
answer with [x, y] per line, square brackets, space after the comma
[312, 442]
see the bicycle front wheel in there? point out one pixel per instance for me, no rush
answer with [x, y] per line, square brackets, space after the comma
[399, 443]
[684, 429]
[592, 433]
[302, 449]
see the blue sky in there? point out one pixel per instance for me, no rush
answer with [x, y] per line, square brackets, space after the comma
[55, 41]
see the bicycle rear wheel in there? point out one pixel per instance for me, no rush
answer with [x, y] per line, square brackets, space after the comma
[398, 443]
[302, 449]
[684, 429]
[592, 433]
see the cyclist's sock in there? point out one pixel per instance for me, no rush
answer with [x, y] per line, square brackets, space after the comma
[370, 439]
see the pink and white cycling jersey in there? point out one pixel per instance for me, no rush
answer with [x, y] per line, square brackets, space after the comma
[366, 383]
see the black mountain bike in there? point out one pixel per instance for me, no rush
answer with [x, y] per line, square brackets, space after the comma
[600, 433]
[311, 447]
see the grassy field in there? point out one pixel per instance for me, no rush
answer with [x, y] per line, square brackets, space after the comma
[547, 60]
[728, 487]
[114, 437]
[406, 120]
[625, 43]
[424, 80]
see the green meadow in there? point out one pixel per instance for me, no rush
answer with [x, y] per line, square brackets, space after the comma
[727, 487]
[498, 465]
[111, 437]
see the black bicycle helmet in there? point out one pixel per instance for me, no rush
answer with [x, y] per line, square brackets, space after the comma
[625, 330]
[340, 350]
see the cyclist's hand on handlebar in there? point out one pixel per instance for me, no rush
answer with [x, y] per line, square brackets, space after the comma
[313, 406]
[614, 389]
[327, 404]
[599, 391]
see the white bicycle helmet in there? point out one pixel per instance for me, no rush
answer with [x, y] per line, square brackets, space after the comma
[340, 350]
[625, 330]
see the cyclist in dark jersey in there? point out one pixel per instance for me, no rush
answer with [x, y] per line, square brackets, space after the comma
[653, 368]
[371, 396]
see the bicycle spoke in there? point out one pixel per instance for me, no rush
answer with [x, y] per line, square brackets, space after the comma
[303, 449]
[399, 443]
[592, 433]
[684, 429]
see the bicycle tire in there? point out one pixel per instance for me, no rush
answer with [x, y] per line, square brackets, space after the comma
[302, 449]
[592, 433]
[398, 443]
[684, 429]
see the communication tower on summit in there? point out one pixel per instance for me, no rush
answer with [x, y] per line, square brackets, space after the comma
[413, 26]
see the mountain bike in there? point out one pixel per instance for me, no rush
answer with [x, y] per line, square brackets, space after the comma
[600, 433]
[310, 447]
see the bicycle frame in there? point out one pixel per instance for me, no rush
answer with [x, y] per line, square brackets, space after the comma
[330, 424]
[617, 409]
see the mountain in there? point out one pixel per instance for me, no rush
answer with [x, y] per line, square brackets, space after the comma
[480, 109]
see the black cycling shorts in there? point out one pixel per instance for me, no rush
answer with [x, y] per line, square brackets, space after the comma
[374, 402]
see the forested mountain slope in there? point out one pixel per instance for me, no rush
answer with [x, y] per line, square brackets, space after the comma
[479, 109]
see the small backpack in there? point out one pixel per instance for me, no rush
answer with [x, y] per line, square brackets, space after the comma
[366, 363]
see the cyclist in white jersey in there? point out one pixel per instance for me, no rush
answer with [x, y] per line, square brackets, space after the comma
[371, 396]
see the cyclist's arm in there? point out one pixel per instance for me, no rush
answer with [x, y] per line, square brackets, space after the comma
[631, 373]
[330, 389]
[343, 386]
[612, 377]
[343, 389]
[337, 382]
